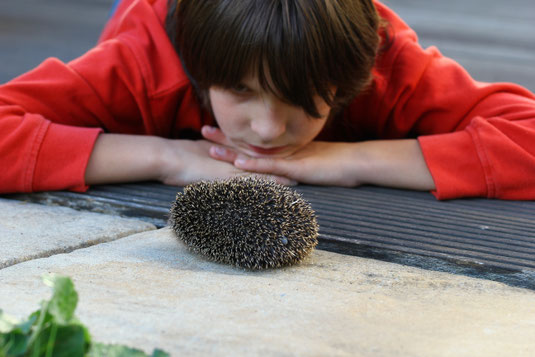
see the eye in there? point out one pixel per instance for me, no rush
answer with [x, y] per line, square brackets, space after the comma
[240, 89]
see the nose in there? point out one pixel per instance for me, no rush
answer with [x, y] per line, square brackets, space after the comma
[269, 122]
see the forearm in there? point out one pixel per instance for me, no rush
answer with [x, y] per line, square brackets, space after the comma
[393, 163]
[124, 158]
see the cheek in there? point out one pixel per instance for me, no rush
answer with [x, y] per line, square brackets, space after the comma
[219, 106]
[226, 113]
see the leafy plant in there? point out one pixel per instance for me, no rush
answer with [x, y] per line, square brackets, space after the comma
[54, 331]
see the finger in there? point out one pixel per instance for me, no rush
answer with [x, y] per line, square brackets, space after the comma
[278, 179]
[280, 167]
[214, 134]
[223, 153]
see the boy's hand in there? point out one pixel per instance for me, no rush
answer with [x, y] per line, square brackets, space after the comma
[129, 158]
[188, 161]
[392, 163]
[319, 163]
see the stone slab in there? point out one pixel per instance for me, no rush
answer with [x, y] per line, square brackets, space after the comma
[148, 291]
[29, 231]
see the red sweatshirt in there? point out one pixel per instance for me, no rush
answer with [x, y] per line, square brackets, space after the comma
[478, 139]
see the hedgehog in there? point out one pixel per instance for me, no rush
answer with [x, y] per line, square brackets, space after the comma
[245, 221]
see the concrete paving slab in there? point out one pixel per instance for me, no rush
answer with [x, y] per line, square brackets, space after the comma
[148, 291]
[30, 231]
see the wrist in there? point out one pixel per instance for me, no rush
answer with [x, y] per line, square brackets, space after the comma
[393, 163]
[165, 157]
[173, 160]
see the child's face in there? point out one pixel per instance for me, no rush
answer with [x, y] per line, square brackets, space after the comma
[259, 124]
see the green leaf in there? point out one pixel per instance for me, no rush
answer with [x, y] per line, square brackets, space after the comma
[42, 318]
[104, 350]
[25, 326]
[53, 331]
[56, 332]
[14, 335]
[71, 341]
[13, 344]
[67, 340]
[9, 323]
[64, 299]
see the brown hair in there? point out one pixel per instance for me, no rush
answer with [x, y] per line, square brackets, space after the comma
[306, 46]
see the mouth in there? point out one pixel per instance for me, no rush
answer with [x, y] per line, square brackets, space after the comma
[267, 151]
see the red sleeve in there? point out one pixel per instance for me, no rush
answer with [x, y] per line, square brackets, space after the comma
[478, 139]
[51, 116]
[42, 143]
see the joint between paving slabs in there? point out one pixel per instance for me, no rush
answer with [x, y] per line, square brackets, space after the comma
[57, 251]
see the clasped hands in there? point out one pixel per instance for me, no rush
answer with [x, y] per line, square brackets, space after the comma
[317, 163]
